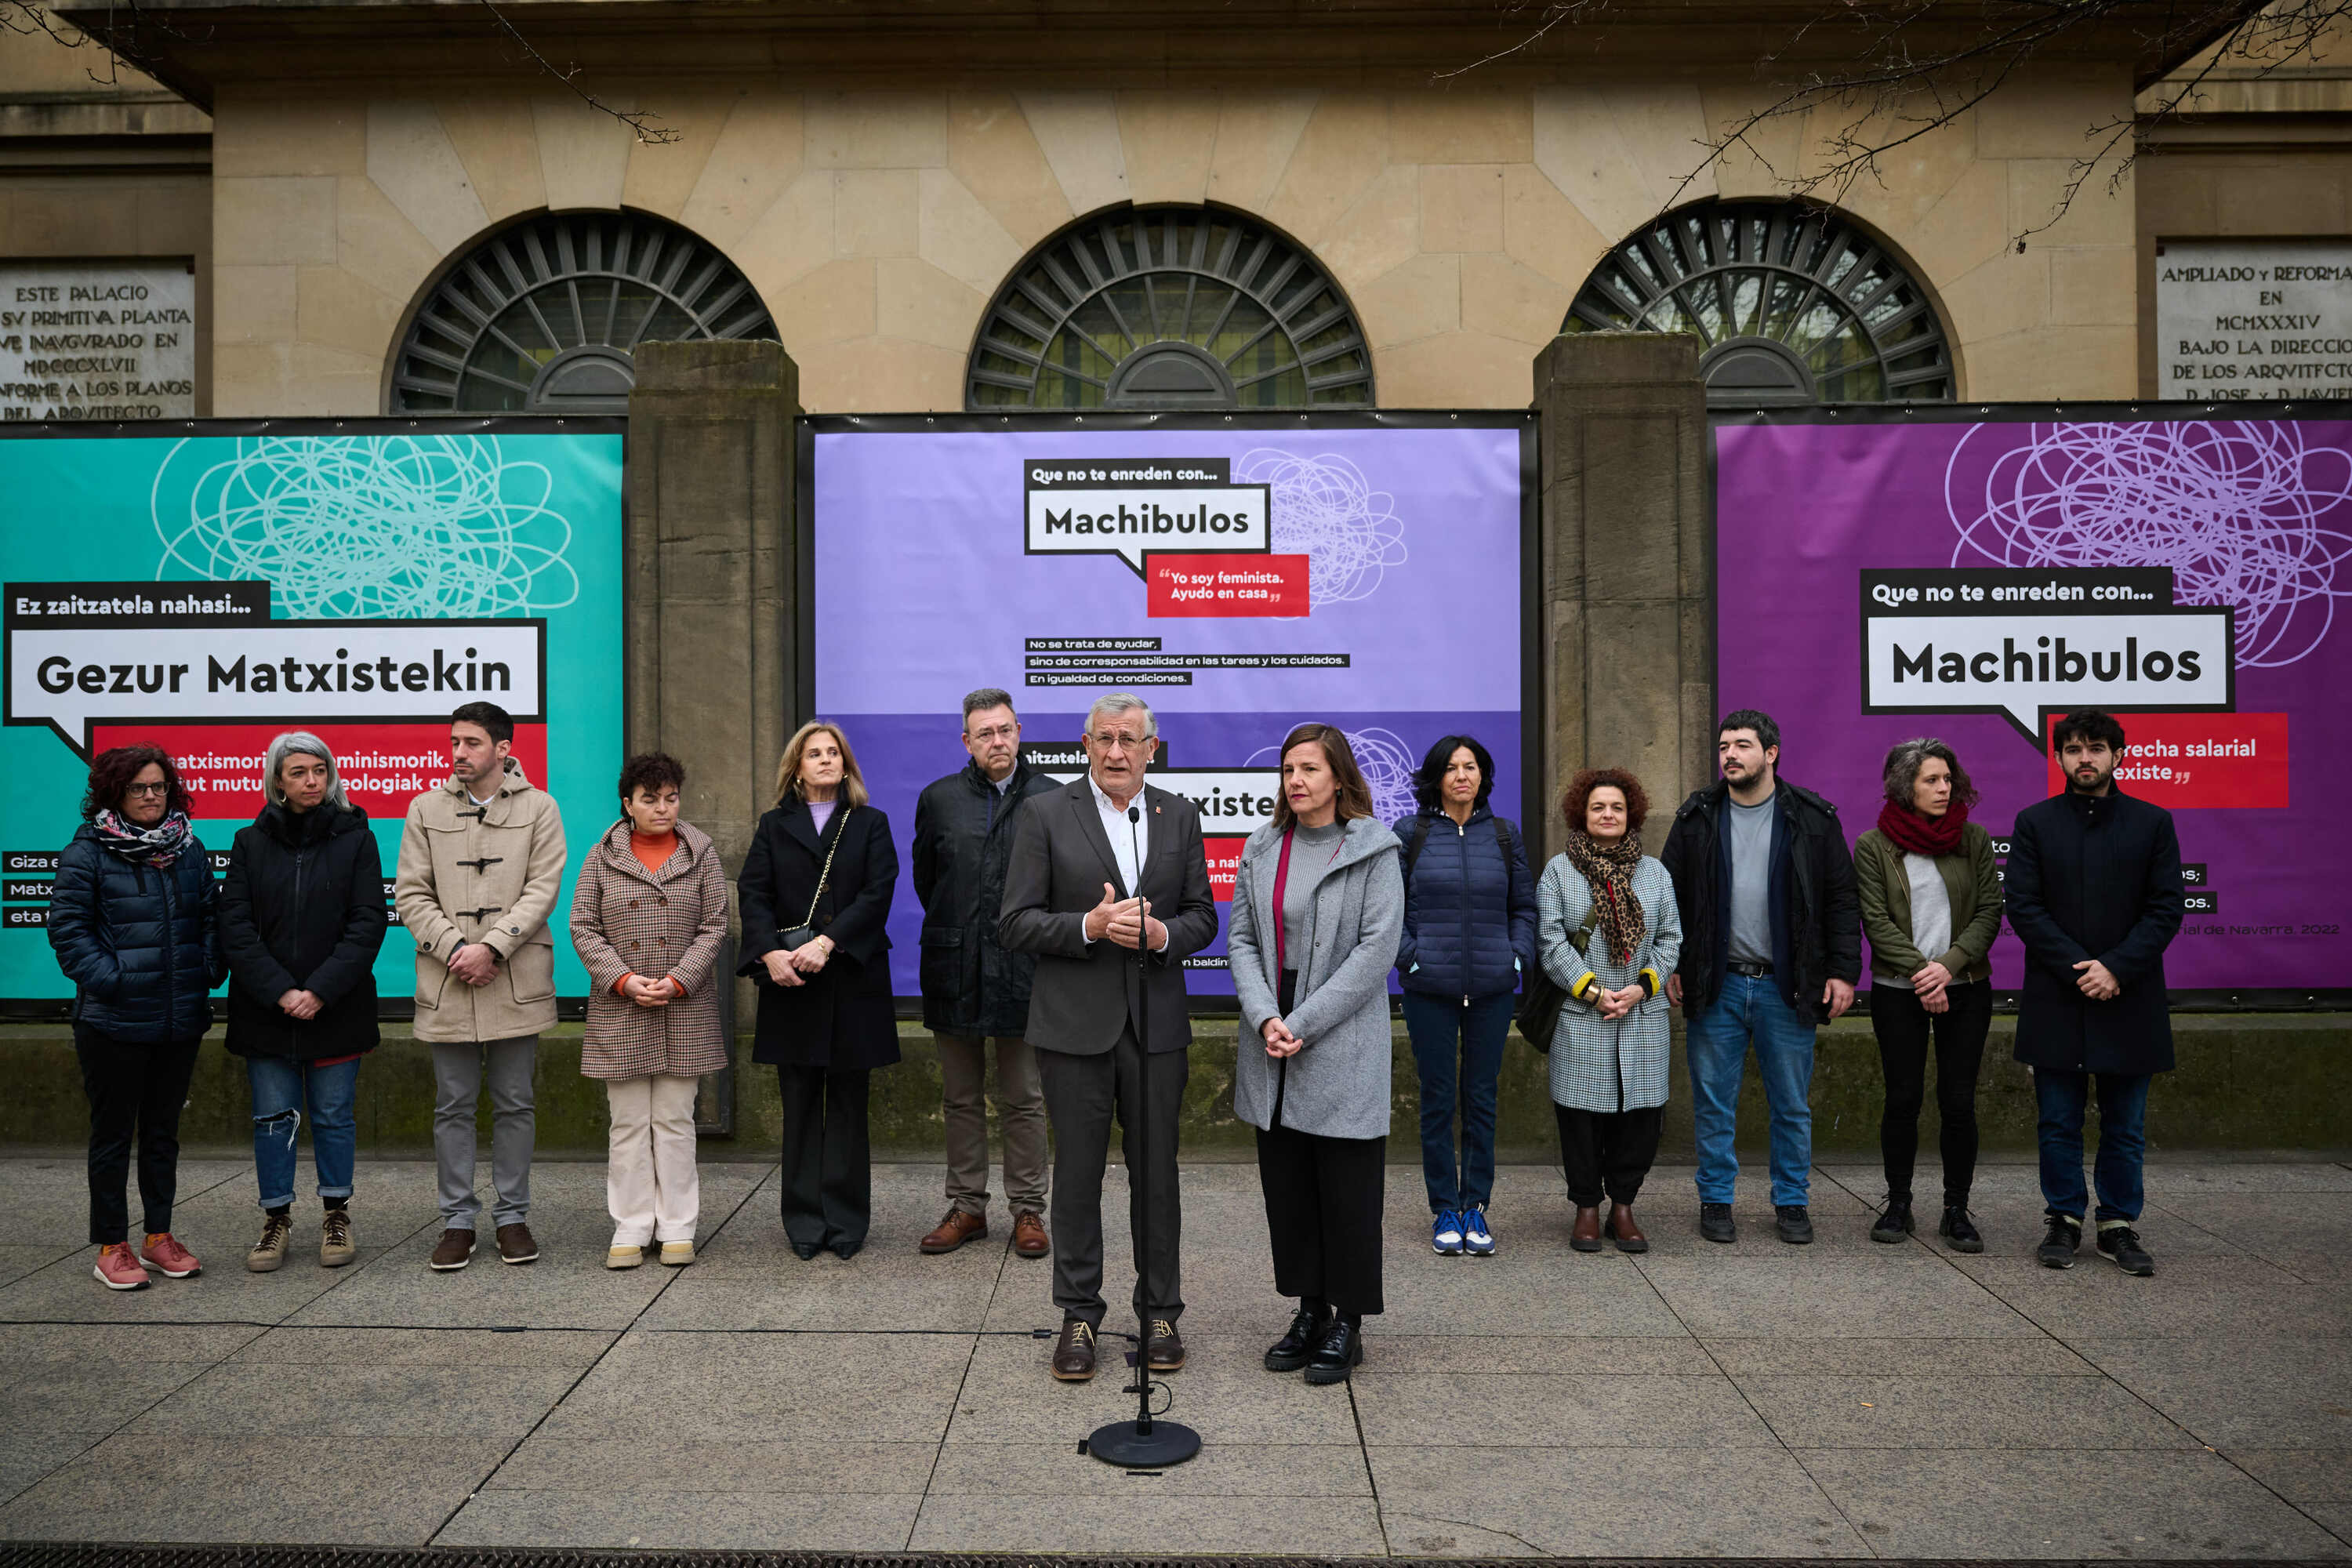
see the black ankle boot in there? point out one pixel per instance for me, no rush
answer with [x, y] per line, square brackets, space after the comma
[1340, 1347]
[1894, 1222]
[1292, 1351]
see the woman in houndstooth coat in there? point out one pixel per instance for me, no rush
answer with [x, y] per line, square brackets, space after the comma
[1609, 932]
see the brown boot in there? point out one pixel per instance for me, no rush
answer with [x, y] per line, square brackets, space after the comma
[1628, 1234]
[1586, 1237]
[1074, 1354]
[1029, 1237]
[953, 1231]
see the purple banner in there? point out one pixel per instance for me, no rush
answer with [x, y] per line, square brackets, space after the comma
[1879, 580]
[1243, 579]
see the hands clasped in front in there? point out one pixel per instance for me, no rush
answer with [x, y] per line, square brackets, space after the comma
[1279, 1041]
[795, 967]
[1127, 921]
[647, 993]
[476, 963]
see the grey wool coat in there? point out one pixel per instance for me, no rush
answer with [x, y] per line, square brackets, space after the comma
[1337, 1087]
[1600, 1064]
[626, 921]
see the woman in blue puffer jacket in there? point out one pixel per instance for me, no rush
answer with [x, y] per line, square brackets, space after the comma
[1469, 934]
[134, 919]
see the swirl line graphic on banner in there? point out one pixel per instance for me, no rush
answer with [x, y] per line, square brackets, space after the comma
[423, 527]
[1326, 510]
[1387, 766]
[2242, 513]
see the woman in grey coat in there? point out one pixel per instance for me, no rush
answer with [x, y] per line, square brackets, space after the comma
[1319, 903]
[1608, 931]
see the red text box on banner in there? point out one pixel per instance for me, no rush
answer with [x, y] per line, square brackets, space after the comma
[1229, 585]
[2214, 761]
[1224, 864]
[384, 766]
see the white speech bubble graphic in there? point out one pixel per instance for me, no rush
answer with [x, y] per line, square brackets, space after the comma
[1132, 521]
[309, 672]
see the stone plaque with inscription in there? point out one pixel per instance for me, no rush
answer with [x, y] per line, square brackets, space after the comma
[97, 339]
[2239, 318]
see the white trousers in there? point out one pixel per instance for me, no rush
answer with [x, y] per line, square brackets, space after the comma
[650, 1182]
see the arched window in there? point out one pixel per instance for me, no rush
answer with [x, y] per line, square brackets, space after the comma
[541, 318]
[1794, 303]
[1174, 307]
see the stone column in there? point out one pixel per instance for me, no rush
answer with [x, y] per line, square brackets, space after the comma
[1625, 557]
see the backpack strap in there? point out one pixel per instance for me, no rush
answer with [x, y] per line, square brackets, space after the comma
[1420, 836]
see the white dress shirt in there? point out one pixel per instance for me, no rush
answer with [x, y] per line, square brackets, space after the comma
[1131, 842]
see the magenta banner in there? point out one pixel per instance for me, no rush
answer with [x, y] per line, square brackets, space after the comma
[1878, 579]
[1244, 573]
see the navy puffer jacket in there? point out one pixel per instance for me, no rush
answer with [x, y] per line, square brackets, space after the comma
[1469, 912]
[141, 944]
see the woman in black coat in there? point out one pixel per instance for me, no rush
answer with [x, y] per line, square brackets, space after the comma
[302, 919]
[133, 919]
[813, 942]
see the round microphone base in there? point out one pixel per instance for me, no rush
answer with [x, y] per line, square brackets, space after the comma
[1135, 1445]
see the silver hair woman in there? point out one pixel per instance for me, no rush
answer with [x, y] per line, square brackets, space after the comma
[300, 742]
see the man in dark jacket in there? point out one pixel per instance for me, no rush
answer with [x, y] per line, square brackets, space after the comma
[2094, 892]
[1772, 949]
[974, 990]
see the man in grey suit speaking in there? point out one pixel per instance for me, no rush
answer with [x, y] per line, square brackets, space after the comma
[1100, 867]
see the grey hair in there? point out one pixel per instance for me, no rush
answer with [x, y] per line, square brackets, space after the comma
[300, 742]
[1905, 760]
[1116, 702]
[982, 700]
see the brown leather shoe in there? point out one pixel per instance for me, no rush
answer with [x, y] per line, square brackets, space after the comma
[1162, 1350]
[1073, 1352]
[1586, 1237]
[454, 1250]
[954, 1231]
[1628, 1234]
[1029, 1237]
[515, 1243]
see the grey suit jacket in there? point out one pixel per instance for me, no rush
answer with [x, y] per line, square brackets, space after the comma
[1086, 995]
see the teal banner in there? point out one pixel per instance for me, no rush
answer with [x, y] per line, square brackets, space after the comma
[219, 582]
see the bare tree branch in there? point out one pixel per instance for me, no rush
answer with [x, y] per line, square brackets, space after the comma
[640, 121]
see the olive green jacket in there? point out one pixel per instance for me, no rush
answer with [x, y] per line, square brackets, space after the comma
[1970, 880]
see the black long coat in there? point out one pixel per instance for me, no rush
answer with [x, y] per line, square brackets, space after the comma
[842, 1018]
[2095, 877]
[302, 908]
[963, 839]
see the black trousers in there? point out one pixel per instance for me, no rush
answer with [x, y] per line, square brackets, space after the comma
[135, 1093]
[828, 1174]
[1082, 1095]
[1323, 1217]
[1607, 1152]
[1903, 1028]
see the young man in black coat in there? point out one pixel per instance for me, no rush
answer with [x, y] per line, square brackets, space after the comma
[2094, 892]
[973, 989]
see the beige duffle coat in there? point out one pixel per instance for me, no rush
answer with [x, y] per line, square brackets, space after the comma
[628, 920]
[489, 874]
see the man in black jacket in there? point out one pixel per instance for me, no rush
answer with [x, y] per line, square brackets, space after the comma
[2094, 892]
[1772, 949]
[974, 990]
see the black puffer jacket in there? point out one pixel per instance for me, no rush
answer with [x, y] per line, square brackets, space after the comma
[303, 910]
[963, 839]
[1816, 915]
[141, 943]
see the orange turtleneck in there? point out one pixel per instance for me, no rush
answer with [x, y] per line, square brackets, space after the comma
[652, 851]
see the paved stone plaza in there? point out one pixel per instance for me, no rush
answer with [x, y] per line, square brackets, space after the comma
[1847, 1399]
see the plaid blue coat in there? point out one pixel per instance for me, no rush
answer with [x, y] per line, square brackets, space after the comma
[1598, 1064]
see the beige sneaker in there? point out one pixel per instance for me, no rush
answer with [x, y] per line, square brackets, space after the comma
[269, 1253]
[678, 1254]
[336, 1247]
[623, 1256]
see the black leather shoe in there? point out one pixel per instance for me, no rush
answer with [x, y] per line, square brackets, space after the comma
[1894, 1222]
[1960, 1230]
[2063, 1234]
[2120, 1245]
[804, 1250]
[1289, 1352]
[1164, 1348]
[1715, 1223]
[845, 1250]
[1795, 1225]
[1340, 1347]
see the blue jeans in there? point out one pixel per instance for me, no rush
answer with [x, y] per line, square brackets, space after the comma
[2123, 1127]
[279, 1086]
[1750, 1008]
[1458, 1047]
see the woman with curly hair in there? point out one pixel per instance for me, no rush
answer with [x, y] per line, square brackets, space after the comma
[1607, 932]
[134, 920]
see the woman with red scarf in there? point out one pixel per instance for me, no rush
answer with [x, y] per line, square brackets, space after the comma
[1931, 906]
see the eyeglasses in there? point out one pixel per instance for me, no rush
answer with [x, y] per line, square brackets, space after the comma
[153, 791]
[1111, 741]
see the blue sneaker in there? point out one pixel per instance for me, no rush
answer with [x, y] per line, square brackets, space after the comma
[1445, 1234]
[1477, 1239]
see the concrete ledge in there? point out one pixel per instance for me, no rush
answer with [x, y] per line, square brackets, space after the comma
[2274, 1081]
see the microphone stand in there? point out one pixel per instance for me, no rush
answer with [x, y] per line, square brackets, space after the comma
[1143, 1443]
